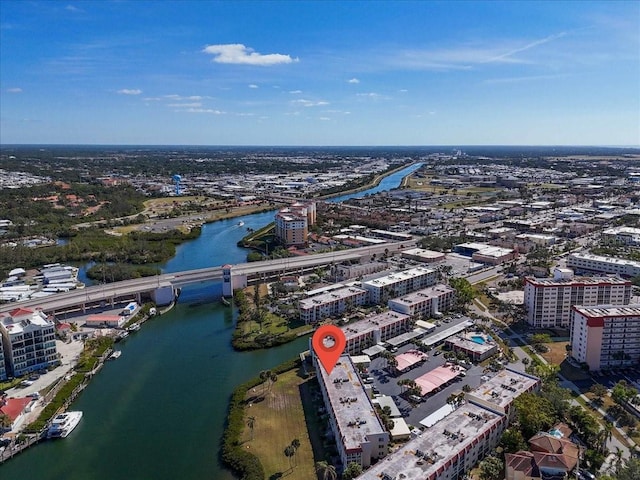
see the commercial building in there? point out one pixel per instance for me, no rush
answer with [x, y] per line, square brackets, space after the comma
[28, 338]
[457, 442]
[359, 435]
[428, 302]
[484, 253]
[373, 330]
[399, 283]
[422, 255]
[548, 300]
[622, 236]
[606, 336]
[335, 302]
[587, 262]
[292, 223]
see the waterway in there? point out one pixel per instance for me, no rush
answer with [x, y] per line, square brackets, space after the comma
[158, 412]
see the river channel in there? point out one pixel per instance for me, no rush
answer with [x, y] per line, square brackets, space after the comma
[158, 412]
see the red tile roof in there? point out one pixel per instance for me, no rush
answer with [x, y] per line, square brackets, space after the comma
[19, 312]
[13, 407]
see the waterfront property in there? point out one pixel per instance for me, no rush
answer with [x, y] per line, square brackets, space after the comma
[334, 302]
[29, 341]
[359, 435]
[428, 302]
[373, 330]
[606, 336]
[457, 442]
[3, 369]
[399, 283]
[549, 300]
[292, 223]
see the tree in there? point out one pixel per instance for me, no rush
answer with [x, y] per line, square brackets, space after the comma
[264, 376]
[273, 378]
[491, 468]
[599, 391]
[512, 441]
[535, 414]
[251, 423]
[326, 470]
[630, 471]
[465, 292]
[352, 471]
[5, 422]
[295, 443]
[289, 452]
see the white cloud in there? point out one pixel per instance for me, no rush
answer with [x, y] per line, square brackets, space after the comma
[185, 105]
[14, 90]
[181, 98]
[130, 91]
[310, 103]
[295, 92]
[325, 119]
[253, 85]
[71, 8]
[403, 90]
[203, 110]
[353, 80]
[238, 54]
[369, 95]
[530, 78]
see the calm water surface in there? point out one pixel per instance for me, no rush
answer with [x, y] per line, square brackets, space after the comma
[158, 412]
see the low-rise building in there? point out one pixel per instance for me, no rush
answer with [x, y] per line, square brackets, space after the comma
[548, 300]
[606, 336]
[476, 346]
[399, 283]
[373, 330]
[335, 302]
[622, 236]
[29, 341]
[457, 442]
[427, 302]
[587, 262]
[422, 255]
[360, 436]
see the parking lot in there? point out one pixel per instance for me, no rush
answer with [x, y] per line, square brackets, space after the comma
[386, 383]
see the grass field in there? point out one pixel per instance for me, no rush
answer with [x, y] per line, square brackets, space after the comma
[279, 418]
[557, 352]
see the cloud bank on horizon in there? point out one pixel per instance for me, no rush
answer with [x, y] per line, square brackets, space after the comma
[320, 73]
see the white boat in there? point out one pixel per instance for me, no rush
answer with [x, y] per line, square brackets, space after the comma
[134, 327]
[115, 354]
[63, 424]
[240, 223]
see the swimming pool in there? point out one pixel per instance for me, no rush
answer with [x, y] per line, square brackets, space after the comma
[478, 339]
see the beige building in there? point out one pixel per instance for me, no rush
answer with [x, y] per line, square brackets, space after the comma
[318, 307]
[28, 338]
[374, 329]
[359, 435]
[549, 300]
[587, 262]
[292, 223]
[399, 283]
[606, 336]
[427, 302]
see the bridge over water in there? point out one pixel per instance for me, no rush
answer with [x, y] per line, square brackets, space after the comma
[128, 290]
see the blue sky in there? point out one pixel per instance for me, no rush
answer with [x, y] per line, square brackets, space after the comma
[320, 73]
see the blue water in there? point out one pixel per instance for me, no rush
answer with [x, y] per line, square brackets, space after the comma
[478, 339]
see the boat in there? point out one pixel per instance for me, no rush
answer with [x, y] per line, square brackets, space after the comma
[240, 223]
[63, 424]
[134, 327]
[122, 335]
[115, 354]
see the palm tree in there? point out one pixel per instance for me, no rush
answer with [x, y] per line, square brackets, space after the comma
[264, 376]
[251, 423]
[289, 452]
[272, 379]
[295, 443]
[326, 470]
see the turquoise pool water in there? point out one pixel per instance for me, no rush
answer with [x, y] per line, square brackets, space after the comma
[478, 339]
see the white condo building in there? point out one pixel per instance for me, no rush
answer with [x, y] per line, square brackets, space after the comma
[399, 283]
[29, 341]
[374, 329]
[318, 307]
[549, 300]
[427, 302]
[606, 336]
[359, 435]
[3, 369]
[586, 262]
[622, 235]
[456, 443]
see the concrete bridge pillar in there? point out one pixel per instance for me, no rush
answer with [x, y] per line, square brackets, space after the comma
[227, 281]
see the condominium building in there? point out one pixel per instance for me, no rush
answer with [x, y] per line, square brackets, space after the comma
[28, 338]
[3, 369]
[335, 302]
[399, 283]
[427, 302]
[549, 300]
[359, 435]
[606, 336]
[586, 262]
[457, 442]
[292, 223]
[374, 329]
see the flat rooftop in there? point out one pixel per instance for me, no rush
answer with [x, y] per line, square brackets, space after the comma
[421, 252]
[444, 334]
[424, 294]
[406, 337]
[372, 323]
[427, 453]
[354, 412]
[331, 296]
[631, 310]
[472, 342]
[399, 276]
[552, 282]
[503, 387]
[602, 258]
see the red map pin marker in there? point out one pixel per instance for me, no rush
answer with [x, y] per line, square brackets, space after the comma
[328, 343]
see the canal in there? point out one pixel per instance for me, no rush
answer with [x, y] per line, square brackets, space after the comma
[158, 412]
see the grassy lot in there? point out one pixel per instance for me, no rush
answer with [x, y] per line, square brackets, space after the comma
[556, 353]
[279, 418]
